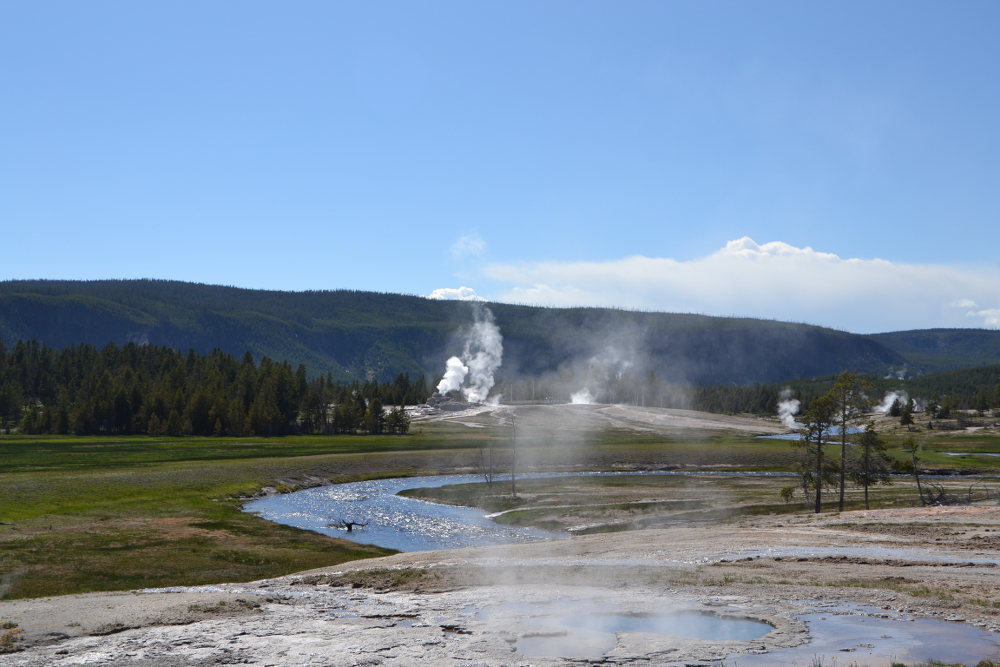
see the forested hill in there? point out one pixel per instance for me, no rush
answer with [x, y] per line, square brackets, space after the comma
[365, 335]
[935, 350]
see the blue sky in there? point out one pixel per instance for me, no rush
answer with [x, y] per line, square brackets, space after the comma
[830, 162]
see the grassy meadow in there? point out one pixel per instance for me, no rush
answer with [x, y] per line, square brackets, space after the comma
[94, 514]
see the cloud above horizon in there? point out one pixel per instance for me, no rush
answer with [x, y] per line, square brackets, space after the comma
[469, 245]
[770, 280]
[455, 294]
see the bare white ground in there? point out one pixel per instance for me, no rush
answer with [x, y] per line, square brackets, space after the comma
[566, 417]
[736, 570]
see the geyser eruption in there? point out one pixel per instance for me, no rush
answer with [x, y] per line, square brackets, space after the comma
[481, 357]
[788, 407]
[454, 376]
[483, 354]
[602, 371]
[890, 397]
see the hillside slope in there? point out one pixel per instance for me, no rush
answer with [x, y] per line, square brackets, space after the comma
[369, 335]
[935, 350]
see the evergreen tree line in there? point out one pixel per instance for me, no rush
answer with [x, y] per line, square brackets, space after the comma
[155, 390]
[147, 389]
[970, 389]
[647, 390]
[938, 393]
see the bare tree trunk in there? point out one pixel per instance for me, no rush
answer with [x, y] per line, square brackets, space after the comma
[513, 456]
[916, 475]
[843, 460]
[819, 476]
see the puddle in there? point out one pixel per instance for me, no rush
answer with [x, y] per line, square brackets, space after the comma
[566, 628]
[849, 635]
[580, 635]
[562, 644]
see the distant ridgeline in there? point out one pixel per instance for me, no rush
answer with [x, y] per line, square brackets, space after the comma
[366, 336]
[155, 390]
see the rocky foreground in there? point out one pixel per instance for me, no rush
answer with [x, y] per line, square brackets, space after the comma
[476, 606]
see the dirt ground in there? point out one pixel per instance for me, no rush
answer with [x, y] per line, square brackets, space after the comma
[468, 606]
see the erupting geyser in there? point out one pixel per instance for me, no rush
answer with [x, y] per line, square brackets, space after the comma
[889, 398]
[788, 407]
[482, 355]
[454, 376]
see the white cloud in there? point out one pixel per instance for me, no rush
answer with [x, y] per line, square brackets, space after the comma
[991, 316]
[964, 303]
[469, 245]
[770, 280]
[453, 294]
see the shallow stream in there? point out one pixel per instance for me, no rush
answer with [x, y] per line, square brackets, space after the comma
[393, 522]
[408, 524]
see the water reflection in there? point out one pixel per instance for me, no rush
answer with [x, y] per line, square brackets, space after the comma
[579, 635]
[833, 432]
[409, 524]
[393, 521]
[851, 634]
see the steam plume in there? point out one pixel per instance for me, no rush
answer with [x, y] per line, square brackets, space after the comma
[890, 396]
[481, 357]
[483, 354]
[454, 376]
[788, 407]
[582, 397]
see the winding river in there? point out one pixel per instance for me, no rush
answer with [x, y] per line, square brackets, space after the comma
[407, 524]
[394, 522]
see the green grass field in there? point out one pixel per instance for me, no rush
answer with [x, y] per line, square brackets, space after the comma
[93, 514]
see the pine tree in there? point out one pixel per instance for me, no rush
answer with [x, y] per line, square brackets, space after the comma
[154, 429]
[174, 423]
[982, 403]
[850, 401]
[374, 419]
[818, 421]
[906, 416]
[871, 466]
[896, 409]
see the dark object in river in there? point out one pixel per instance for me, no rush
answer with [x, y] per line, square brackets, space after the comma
[347, 525]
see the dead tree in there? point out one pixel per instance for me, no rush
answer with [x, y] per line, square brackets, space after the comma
[513, 455]
[914, 464]
[485, 464]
